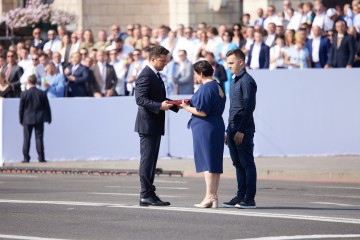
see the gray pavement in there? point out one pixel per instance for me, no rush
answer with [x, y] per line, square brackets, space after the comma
[83, 207]
[325, 169]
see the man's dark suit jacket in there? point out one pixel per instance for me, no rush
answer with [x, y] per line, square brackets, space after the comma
[220, 74]
[14, 78]
[40, 45]
[97, 83]
[78, 88]
[149, 94]
[324, 50]
[264, 56]
[34, 107]
[343, 56]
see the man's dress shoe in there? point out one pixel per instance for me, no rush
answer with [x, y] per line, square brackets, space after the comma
[153, 201]
[25, 161]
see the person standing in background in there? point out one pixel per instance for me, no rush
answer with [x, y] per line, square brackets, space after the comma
[34, 110]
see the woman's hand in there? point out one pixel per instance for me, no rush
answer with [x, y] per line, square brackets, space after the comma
[183, 105]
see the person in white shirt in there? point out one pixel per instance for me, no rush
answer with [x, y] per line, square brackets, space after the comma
[30, 71]
[260, 19]
[270, 38]
[25, 60]
[320, 14]
[188, 43]
[134, 70]
[298, 18]
[213, 39]
[259, 54]
[286, 6]
[54, 44]
[277, 54]
[271, 17]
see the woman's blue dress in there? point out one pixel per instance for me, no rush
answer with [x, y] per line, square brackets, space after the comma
[208, 132]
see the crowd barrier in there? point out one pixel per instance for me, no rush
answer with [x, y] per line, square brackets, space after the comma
[298, 113]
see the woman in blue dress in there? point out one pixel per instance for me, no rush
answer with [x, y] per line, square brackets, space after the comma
[207, 125]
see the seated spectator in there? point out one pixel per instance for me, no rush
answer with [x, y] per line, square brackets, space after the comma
[319, 48]
[40, 69]
[269, 40]
[53, 83]
[130, 40]
[65, 49]
[271, 17]
[170, 42]
[238, 39]
[33, 69]
[13, 72]
[57, 61]
[120, 68]
[219, 71]
[78, 77]
[134, 70]
[105, 79]
[225, 46]
[259, 53]
[37, 41]
[83, 53]
[6, 90]
[88, 42]
[309, 13]
[278, 54]
[54, 44]
[342, 52]
[297, 56]
[214, 39]
[200, 47]
[2, 62]
[102, 42]
[187, 43]
[260, 20]
[25, 61]
[184, 74]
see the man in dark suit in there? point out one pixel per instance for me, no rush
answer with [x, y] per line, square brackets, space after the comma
[219, 70]
[13, 72]
[104, 80]
[319, 48]
[342, 52]
[77, 76]
[241, 129]
[34, 111]
[259, 53]
[150, 95]
[37, 41]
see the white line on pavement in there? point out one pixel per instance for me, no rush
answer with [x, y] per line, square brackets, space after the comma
[128, 194]
[19, 176]
[2, 236]
[336, 204]
[174, 188]
[167, 181]
[254, 213]
[354, 188]
[305, 237]
[336, 196]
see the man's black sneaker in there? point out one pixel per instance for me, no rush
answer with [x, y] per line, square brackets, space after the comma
[232, 202]
[246, 204]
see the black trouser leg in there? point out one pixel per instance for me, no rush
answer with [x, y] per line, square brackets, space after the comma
[39, 135]
[27, 137]
[149, 151]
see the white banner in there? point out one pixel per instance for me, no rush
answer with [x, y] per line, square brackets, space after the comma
[298, 113]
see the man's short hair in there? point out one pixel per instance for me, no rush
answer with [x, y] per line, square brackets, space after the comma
[32, 79]
[237, 52]
[157, 51]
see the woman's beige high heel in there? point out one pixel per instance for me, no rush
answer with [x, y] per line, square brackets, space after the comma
[211, 203]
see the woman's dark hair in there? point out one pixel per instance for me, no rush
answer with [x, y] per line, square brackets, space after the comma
[230, 34]
[203, 67]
